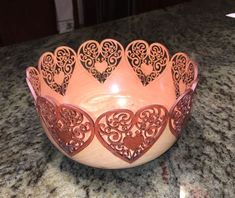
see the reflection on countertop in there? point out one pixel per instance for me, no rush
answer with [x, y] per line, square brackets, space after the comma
[200, 164]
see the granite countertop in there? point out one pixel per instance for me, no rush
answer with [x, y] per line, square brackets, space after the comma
[200, 164]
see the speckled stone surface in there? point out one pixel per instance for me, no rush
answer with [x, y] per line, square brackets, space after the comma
[200, 164]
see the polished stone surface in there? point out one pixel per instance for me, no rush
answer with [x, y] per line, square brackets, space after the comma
[200, 164]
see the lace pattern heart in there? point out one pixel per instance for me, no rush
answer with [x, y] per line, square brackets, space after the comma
[71, 128]
[179, 112]
[128, 135]
[57, 69]
[108, 53]
[155, 57]
[182, 69]
[33, 80]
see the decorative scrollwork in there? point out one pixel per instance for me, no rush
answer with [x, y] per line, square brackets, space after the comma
[189, 75]
[155, 57]
[108, 53]
[34, 80]
[71, 128]
[179, 112]
[182, 69]
[47, 111]
[128, 135]
[57, 68]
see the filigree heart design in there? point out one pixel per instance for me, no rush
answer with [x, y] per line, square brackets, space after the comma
[139, 55]
[106, 55]
[70, 127]
[183, 70]
[57, 69]
[179, 112]
[189, 74]
[33, 81]
[128, 135]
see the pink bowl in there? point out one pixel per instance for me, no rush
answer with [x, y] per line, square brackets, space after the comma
[113, 108]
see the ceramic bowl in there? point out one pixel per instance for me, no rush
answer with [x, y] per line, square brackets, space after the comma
[110, 107]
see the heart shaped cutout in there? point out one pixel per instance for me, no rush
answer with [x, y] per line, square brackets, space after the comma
[128, 135]
[179, 112]
[183, 69]
[140, 56]
[70, 127]
[33, 81]
[109, 53]
[57, 69]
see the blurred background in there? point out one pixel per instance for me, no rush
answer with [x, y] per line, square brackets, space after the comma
[22, 20]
